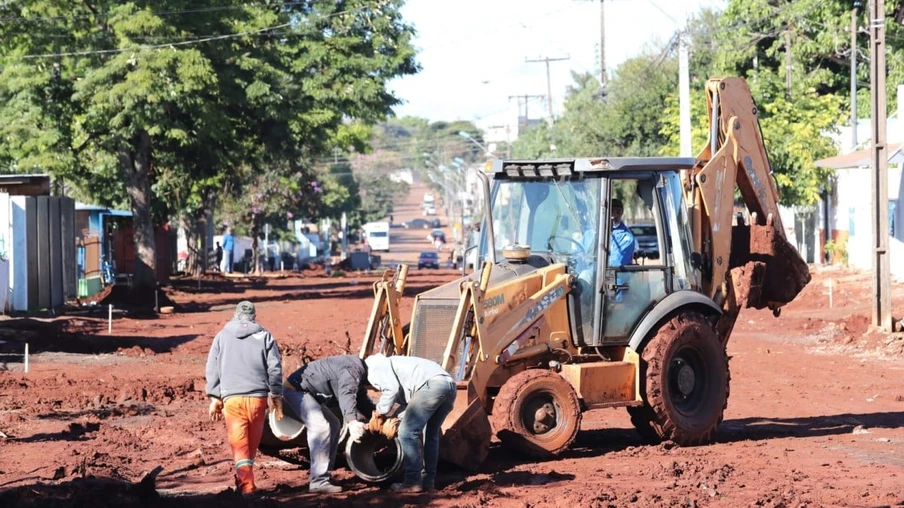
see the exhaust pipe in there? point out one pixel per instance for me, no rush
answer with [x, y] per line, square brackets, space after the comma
[375, 459]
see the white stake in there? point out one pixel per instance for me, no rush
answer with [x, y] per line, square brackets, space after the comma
[26, 358]
[110, 319]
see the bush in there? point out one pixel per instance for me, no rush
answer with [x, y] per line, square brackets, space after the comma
[835, 251]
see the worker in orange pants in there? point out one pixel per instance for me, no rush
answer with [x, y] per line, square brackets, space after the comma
[244, 381]
[245, 418]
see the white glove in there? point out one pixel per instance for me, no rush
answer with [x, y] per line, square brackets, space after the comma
[356, 430]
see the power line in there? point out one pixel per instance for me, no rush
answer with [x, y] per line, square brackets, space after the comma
[151, 46]
[22, 19]
[261, 31]
[660, 9]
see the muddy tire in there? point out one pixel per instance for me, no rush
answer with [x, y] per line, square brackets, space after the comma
[641, 419]
[537, 414]
[684, 382]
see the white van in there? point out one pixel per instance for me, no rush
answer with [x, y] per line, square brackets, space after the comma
[377, 234]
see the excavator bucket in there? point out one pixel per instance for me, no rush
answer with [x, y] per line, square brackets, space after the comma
[466, 433]
[766, 270]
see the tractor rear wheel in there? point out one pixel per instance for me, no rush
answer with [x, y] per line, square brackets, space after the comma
[684, 382]
[537, 414]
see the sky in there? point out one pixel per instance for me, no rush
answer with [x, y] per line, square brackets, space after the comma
[473, 52]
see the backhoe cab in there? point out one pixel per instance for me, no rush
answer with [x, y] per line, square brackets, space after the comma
[562, 318]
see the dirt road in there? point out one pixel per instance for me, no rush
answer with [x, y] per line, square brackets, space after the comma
[815, 417]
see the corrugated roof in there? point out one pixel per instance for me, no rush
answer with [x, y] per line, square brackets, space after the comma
[79, 206]
[861, 158]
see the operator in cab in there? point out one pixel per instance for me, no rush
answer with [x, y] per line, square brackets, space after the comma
[621, 241]
[621, 244]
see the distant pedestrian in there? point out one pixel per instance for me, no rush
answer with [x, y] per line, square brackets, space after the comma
[228, 247]
[244, 380]
[219, 256]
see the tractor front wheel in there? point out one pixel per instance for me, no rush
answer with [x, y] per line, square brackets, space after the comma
[684, 378]
[537, 414]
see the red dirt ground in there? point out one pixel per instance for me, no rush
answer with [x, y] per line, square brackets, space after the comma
[815, 418]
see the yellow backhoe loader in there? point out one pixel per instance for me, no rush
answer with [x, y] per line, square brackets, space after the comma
[567, 314]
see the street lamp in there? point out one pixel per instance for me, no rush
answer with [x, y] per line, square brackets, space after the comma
[472, 140]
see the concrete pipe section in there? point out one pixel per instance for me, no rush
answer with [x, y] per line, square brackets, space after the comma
[289, 432]
[375, 459]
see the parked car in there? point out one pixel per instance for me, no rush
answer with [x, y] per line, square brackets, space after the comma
[435, 223]
[646, 239]
[428, 259]
[417, 223]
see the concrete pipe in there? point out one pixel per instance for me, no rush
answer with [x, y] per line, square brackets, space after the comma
[375, 459]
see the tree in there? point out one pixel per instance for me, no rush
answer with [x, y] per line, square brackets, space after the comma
[167, 103]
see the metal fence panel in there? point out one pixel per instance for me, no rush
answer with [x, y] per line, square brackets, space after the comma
[42, 265]
[31, 250]
[54, 241]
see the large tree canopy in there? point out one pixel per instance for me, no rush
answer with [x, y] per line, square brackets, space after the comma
[167, 104]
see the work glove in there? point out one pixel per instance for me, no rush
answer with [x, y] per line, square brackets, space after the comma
[274, 405]
[376, 422]
[215, 410]
[390, 428]
[356, 430]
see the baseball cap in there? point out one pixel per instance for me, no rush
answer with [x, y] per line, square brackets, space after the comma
[245, 308]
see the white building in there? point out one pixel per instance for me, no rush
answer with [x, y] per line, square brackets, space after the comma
[849, 206]
[846, 213]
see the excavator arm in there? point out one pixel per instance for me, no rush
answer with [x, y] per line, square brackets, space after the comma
[743, 265]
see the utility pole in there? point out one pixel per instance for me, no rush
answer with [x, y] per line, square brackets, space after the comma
[684, 89]
[548, 79]
[526, 98]
[604, 78]
[854, 76]
[881, 309]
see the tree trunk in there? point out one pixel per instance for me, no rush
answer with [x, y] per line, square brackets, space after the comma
[135, 163]
[193, 261]
[255, 230]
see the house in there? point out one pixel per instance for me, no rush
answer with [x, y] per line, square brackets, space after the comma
[104, 234]
[94, 246]
[849, 207]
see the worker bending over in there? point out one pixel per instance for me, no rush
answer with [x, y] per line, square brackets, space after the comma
[309, 389]
[244, 378]
[426, 395]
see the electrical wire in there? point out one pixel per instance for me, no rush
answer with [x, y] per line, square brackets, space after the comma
[23, 19]
[152, 46]
[187, 42]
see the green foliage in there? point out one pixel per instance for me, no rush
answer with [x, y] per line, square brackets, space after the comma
[378, 194]
[628, 124]
[170, 103]
[640, 114]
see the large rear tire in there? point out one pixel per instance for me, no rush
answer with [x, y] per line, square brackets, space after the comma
[684, 382]
[537, 414]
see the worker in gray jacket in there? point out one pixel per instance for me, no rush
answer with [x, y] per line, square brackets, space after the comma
[310, 388]
[244, 379]
[425, 394]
